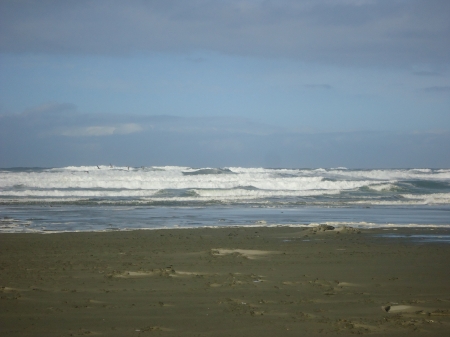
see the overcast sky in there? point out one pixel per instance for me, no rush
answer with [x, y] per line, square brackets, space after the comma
[275, 83]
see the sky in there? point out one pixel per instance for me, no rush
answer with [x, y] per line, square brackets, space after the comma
[215, 83]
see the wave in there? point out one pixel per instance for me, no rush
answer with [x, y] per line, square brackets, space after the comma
[389, 187]
[174, 184]
[208, 171]
[152, 180]
[433, 198]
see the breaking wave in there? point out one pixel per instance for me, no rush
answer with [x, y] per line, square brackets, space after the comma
[172, 185]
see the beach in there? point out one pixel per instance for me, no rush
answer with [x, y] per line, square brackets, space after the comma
[233, 281]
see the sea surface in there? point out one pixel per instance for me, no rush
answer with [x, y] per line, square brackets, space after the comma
[99, 198]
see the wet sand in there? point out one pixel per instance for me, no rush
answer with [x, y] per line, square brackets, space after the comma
[224, 282]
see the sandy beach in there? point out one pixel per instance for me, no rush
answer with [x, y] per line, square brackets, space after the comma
[256, 281]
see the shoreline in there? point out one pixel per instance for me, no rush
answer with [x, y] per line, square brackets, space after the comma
[337, 226]
[72, 218]
[229, 281]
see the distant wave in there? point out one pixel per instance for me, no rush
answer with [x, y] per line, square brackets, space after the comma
[208, 171]
[174, 185]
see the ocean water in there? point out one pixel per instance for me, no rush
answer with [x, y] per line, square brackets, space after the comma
[95, 198]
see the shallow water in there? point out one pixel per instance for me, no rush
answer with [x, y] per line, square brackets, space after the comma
[32, 218]
[419, 238]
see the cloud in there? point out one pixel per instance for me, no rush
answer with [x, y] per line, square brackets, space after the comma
[319, 86]
[438, 89]
[426, 73]
[215, 125]
[97, 131]
[126, 129]
[395, 32]
[226, 144]
[50, 108]
[428, 70]
[86, 139]
[62, 119]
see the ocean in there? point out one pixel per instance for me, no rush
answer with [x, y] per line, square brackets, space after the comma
[105, 198]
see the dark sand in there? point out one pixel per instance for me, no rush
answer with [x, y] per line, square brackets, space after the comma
[224, 282]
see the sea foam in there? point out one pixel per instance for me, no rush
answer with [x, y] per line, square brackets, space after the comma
[108, 184]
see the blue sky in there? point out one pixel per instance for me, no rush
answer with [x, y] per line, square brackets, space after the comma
[356, 83]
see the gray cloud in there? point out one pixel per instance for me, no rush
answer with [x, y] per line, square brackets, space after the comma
[426, 73]
[319, 86]
[438, 89]
[51, 108]
[428, 70]
[364, 32]
[62, 119]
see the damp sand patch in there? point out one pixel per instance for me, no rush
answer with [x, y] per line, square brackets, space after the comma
[247, 253]
[409, 309]
[169, 272]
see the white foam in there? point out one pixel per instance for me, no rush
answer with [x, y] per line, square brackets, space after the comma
[237, 184]
[169, 179]
[79, 193]
[383, 187]
[429, 199]
[371, 225]
[23, 227]
[251, 194]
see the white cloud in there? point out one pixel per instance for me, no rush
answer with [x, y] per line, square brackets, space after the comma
[98, 131]
[125, 129]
